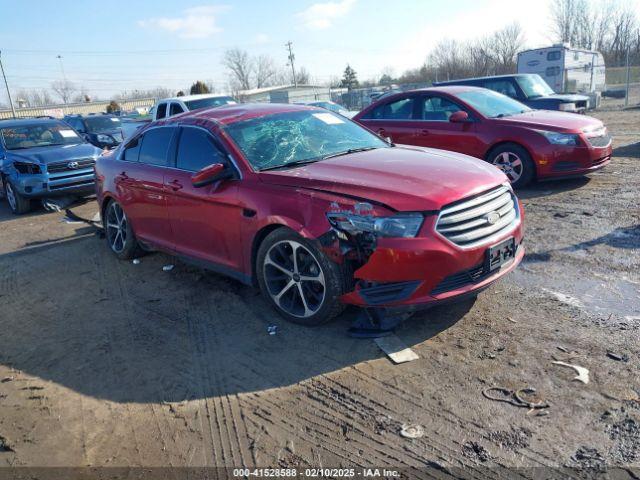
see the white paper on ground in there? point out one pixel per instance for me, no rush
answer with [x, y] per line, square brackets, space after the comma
[397, 351]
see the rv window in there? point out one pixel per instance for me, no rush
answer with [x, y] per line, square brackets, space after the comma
[552, 71]
[555, 55]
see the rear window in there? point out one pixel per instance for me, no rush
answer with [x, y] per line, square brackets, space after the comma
[155, 146]
[209, 102]
[162, 111]
[397, 110]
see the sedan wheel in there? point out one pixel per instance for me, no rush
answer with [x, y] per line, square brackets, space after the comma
[511, 164]
[294, 279]
[116, 228]
[11, 196]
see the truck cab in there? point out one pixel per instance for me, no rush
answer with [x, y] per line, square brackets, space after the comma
[169, 107]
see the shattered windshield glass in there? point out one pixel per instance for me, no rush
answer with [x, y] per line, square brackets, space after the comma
[283, 139]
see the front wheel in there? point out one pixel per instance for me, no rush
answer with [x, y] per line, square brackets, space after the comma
[301, 283]
[118, 232]
[18, 203]
[515, 162]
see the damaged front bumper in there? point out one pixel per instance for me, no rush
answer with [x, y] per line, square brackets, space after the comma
[414, 273]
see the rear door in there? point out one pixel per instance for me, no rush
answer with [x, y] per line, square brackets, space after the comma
[395, 119]
[140, 185]
[434, 129]
[205, 221]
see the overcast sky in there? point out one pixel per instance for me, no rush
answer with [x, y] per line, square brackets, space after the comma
[116, 45]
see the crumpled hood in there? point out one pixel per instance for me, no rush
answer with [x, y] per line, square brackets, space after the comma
[403, 178]
[552, 120]
[56, 153]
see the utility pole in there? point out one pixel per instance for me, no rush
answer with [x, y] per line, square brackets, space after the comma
[13, 110]
[291, 59]
[626, 97]
[64, 77]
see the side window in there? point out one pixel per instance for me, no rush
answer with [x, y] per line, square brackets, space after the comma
[438, 109]
[175, 109]
[132, 151]
[196, 150]
[553, 56]
[162, 111]
[399, 110]
[504, 87]
[552, 71]
[155, 146]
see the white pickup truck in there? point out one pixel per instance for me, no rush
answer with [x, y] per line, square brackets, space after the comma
[168, 107]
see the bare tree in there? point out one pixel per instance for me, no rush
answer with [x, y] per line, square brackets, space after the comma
[64, 88]
[302, 76]
[240, 66]
[265, 71]
[505, 45]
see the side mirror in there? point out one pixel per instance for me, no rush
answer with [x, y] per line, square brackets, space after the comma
[459, 117]
[211, 174]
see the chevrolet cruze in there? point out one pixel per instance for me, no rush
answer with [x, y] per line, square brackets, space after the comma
[312, 208]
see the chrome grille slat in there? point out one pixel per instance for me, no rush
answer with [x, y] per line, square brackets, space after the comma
[499, 202]
[466, 223]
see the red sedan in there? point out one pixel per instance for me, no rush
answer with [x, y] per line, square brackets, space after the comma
[524, 143]
[310, 206]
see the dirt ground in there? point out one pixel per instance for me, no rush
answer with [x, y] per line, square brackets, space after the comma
[107, 363]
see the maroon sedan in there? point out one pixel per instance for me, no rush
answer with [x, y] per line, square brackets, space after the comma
[310, 206]
[524, 143]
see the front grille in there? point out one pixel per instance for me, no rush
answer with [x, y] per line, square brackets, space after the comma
[600, 140]
[566, 166]
[600, 161]
[477, 220]
[77, 184]
[64, 166]
[381, 293]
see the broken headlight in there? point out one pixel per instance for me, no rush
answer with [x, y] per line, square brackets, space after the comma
[26, 167]
[400, 225]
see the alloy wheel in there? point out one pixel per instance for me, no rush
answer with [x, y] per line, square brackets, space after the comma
[294, 279]
[116, 227]
[511, 164]
[11, 196]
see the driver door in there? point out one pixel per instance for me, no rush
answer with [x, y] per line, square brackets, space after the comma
[205, 221]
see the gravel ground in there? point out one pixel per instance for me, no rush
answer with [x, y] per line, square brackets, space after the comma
[107, 363]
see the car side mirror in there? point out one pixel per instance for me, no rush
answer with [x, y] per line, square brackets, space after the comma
[211, 174]
[459, 117]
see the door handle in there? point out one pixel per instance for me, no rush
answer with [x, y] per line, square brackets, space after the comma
[175, 185]
[424, 132]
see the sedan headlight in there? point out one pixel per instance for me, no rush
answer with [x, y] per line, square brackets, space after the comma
[567, 107]
[104, 138]
[401, 225]
[557, 138]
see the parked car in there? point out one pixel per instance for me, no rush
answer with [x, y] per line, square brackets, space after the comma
[43, 158]
[525, 144]
[313, 208]
[103, 131]
[177, 105]
[529, 89]
[334, 107]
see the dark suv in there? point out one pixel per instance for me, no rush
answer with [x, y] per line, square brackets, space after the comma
[527, 88]
[103, 131]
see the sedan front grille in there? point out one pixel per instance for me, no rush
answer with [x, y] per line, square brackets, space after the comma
[478, 220]
[70, 165]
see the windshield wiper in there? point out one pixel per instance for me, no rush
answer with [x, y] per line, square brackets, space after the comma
[297, 163]
[347, 152]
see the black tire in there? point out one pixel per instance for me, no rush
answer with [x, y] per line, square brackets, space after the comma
[335, 277]
[127, 248]
[512, 151]
[18, 203]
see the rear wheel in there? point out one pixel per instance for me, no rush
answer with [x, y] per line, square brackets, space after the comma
[118, 232]
[515, 162]
[18, 203]
[301, 283]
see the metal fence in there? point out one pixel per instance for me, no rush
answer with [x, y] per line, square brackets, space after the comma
[75, 108]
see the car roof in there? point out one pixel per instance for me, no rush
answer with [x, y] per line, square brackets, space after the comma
[451, 89]
[228, 114]
[490, 77]
[186, 98]
[19, 122]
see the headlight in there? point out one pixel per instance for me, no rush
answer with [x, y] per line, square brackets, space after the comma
[401, 225]
[557, 138]
[567, 107]
[104, 138]
[26, 167]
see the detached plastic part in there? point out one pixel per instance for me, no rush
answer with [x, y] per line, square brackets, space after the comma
[375, 323]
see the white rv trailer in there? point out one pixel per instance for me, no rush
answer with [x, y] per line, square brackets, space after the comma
[566, 69]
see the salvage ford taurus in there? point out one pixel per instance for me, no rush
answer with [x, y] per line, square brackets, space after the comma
[311, 207]
[524, 143]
